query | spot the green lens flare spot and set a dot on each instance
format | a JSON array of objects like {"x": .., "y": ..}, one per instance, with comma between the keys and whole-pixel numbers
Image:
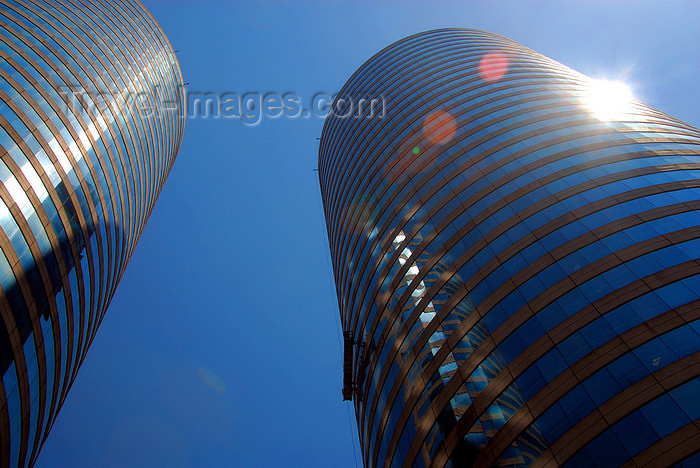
[{"x": 416, "y": 150}]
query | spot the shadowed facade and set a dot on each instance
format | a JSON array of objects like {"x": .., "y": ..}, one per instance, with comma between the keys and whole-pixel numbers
[{"x": 516, "y": 261}]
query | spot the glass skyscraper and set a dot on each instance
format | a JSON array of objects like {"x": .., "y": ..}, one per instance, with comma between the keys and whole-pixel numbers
[
  {"x": 515, "y": 248},
  {"x": 91, "y": 120}
]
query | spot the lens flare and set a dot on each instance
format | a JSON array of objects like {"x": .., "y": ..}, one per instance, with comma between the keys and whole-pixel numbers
[
  {"x": 493, "y": 66},
  {"x": 359, "y": 213},
  {"x": 439, "y": 127},
  {"x": 608, "y": 100},
  {"x": 212, "y": 380},
  {"x": 404, "y": 152},
  {"x": 417, "y": 151}
]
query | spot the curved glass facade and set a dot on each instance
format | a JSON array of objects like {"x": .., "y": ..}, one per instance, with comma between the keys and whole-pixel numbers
[
  {"x": 516, "y": 260},
  {"x": 91, "y": 119}
]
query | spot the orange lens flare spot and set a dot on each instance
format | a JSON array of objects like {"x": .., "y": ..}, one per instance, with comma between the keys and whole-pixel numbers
[
  {"x": 439, "y": 127},
  {"x": 212, "y": 380},
  {"x": 493, "y": 66},
  {"x": 358, "y": 213}
]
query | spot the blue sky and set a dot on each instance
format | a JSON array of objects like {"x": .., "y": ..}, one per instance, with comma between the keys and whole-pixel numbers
[{"x": 221, "y": 346}]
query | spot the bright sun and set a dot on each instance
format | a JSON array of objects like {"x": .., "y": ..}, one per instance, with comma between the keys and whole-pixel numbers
[{"x": 608, "y": 100}]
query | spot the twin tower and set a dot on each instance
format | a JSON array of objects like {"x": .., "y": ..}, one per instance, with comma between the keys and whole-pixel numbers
[
  {"x": 515, "y": 249},
  {"x": 515, "y": 253}
]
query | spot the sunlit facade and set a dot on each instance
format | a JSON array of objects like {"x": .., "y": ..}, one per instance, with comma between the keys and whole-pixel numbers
[
  {"x": 516, "y": 261},
  {"x": 90, "y": 124}
]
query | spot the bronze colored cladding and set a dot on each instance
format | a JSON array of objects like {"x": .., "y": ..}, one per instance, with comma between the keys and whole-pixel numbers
[
  {"x": 530, "y": 120},
  {"x": 100, "y": 169}
]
